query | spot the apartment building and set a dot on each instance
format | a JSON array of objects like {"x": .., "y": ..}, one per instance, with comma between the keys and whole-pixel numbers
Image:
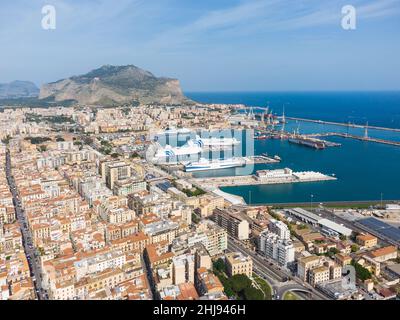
[
  {"x": 384, "y": 254},
  {"x": 129, "y": 186},
  {"x": 183, "y": 268},
  {"x": 113, "y": 171},
  {"x": 235, "y": 223},
  {"x": 366, "y": 240},
  {"x": 275, "y": 243},
  {"x": 315, "y": 270}
]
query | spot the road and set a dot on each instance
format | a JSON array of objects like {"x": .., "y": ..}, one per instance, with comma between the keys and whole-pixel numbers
[
  {"x": 275, "y": 275},
  {"x": 27, "y": 240}
]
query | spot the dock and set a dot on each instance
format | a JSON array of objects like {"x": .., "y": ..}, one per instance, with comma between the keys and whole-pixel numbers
[
  {"x": 344, "y": 124},
  {"x": 251, "y": 180},
  {"x": 355, "y": 137},
  {"x": 261, "y": 159}
]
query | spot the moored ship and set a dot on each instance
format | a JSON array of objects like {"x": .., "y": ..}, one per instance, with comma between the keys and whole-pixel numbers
[
  {"x": 312, "y": 143},
  {"x": 206, "y": 164},
  {"x": 216, "y": 142}
]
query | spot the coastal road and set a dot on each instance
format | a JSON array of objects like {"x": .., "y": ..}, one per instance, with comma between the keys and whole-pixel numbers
[
  {"x": 275, "y": 275},
  {"x": 27, "y": 239}
]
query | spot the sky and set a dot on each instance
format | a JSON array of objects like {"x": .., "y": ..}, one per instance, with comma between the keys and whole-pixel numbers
[{"x": 209, "y": 45}]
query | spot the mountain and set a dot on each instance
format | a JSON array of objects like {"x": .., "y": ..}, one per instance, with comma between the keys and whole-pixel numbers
[
  {"x": 115, "y": 85},
  {"x": 18, "y": 89}
]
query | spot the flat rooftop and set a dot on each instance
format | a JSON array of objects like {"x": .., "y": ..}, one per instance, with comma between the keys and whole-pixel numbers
[{"x": 381, "y": 228}]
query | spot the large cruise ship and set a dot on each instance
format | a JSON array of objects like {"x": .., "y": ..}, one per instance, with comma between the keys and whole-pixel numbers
[
  {"x": 216, "y": 142},
  {"x": 206, "y": 164},
  {"x": 190, "y": 148}
]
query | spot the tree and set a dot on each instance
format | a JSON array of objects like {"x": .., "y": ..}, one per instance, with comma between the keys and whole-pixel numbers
[
  {"x": 135, "y": 155},
  {"x": 6, "y": 140},
  {"x": 361, "y": 272},
  {"x": 240, "y": 282},
  {"x": 251, "y": 293},
  {"x": 354, "y": 248},
  {"x": 88, "y": 140},
  {"x": 37, "y": 140},
  {"x": 227, "y": 286},
  {"x": 219, "y": 265}
]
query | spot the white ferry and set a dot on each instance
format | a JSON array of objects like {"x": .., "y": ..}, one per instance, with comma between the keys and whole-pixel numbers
[
  {"x": 206, "y": 164},
  {"x": 190, "y": 148},
  {"x": 216, "y": 142}
]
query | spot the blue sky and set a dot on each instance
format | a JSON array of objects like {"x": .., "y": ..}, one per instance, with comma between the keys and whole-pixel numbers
[{"x": 209, "y": 45}]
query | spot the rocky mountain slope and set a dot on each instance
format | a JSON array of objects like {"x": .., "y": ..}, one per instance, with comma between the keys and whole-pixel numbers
[{"x": 115, "y": 85}]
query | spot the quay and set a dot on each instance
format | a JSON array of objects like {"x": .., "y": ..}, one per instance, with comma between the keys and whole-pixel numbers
[
  {"x": 254, "y": 180},
  {"x": 261, "y": 159},
  {"x": 344, "y": 124},
  {"x": 360, "y": 138}
]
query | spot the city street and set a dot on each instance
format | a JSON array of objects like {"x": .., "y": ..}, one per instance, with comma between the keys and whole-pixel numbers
[
  {"x": 27, "y": 239},
  {"x": 280, "y": 280}
]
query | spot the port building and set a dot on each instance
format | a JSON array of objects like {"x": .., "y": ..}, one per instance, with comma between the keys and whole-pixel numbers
[
  {"x": 380, "y": 229},
  {"x": 327, "y": 225}
]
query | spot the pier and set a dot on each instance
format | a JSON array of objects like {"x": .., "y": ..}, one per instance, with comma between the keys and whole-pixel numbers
[
  {"x": 344, "y": 124},
  {"x": 360, "y": 138},
  {"x": 252, "y": 180},
  {"x": 261, "y": 159}
]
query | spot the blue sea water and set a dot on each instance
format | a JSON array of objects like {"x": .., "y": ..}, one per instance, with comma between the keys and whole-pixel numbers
[
  {"x": 365, "y": 170},
  {"x": 378, "y": 108}
]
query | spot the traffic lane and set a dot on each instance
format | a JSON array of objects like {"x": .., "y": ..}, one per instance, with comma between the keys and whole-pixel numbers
[{"x": 256, "y": 260}]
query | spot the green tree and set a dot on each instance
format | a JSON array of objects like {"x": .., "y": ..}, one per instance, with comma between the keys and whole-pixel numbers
[
  {"x": 135, "y": 155},
  {"x": 219, "y": 265},
  {"x": 361, "y": 272},
  {"x": 251, "y": 293},
  {"x": 6, "y": 140},
  {"x": 239, "y": 282},
  {"x": 354, "y": 248},
  {"x": 77, "y": 143},
  {"x": 227, "y": 287},
  {"x": 87, "y": 140}
]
